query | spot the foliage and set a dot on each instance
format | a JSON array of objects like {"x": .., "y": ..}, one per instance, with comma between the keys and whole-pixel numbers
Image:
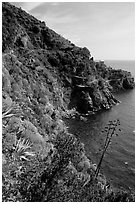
[
  {"x": 35, "y": 29},
  {"x": 42, "y": 161}
]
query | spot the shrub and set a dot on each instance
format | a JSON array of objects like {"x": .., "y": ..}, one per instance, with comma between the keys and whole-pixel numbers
[{"x": 35, "y": 29}]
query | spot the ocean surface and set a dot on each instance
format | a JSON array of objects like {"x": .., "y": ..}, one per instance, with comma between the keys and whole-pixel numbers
[{"x": 119, "y": 162}]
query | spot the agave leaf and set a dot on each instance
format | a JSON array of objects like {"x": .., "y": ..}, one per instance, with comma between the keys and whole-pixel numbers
[
  {"x": 7, "y": 116},
  {"x": 23, "y": 157},
  {"x": 6, "y": 112},
  {"x": 30, "y": 154}
]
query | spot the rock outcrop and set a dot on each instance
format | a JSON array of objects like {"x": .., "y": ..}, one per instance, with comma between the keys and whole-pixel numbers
[
  {"x": 43, "y": 75},
  {"x": 117, "y": 78},
  {"x": 92, "y": 81}
]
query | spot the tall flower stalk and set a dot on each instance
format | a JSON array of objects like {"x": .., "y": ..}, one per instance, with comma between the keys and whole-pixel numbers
[{"x": 110, "y": 129}]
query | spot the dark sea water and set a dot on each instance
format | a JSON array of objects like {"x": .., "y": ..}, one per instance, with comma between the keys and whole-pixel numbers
[{"x": 119, "y": 162}]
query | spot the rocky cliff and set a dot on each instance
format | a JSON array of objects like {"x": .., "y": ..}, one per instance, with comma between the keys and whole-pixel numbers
[{"x": 44, "y": 77}]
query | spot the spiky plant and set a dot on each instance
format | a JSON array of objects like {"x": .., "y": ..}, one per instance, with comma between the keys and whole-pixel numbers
[
  {"x": 7, "y": 113},
  {"x": 22, "y": 149},
  {"x": 12, "y": 110}
]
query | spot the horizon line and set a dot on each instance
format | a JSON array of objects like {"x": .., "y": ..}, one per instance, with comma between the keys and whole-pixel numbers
[{"x": 114, "y": 59}]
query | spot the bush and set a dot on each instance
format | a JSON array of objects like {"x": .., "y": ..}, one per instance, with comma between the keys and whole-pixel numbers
[{"x": 35, "y": 29}]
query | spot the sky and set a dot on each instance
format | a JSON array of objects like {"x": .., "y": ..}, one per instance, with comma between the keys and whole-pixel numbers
[{"x": 107, "y": 29}]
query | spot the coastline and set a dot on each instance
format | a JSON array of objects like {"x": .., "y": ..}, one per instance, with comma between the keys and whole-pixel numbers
[{"x": 43, "y": 74}]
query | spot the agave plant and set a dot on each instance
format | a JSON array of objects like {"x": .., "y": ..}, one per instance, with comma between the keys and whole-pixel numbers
[
  {"x": 10, "y": 111},
  {"x": 7, "y": 113},
  {"x": 22, "y": 149}
]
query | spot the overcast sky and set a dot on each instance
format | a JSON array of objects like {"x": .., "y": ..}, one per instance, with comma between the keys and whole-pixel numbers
[{"x": 106, "y": 29}]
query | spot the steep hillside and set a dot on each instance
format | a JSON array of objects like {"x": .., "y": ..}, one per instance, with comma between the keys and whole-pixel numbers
[{"x": 44, "y": 77}]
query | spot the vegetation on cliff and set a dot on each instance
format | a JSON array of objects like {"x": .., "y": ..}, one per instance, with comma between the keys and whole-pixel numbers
[{"x": 44, "y": 75}]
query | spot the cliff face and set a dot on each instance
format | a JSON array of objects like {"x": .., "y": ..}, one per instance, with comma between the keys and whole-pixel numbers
[
  {"x": 44, "y": 74},
  {"x": 117, "y": 78},
  {"x": 73, "y": 66}
]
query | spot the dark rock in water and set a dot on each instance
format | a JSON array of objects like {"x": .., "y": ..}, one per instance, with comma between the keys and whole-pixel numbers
[
  {"x": 117, "y": 78},
  {"x": 95, "y": 95},
  {"x": 128, "y": 83},
  {"x": 82, "y": 100}
]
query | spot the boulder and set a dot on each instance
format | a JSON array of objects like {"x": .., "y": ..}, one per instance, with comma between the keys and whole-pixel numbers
[{"x": 128, "y": 83}]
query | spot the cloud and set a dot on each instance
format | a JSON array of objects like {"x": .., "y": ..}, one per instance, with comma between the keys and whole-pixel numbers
[
  {"x": 103, "y": 27},
  {"x": 27, "y": 6},
  {"x": 55, "y": 3},
  {"x": 56, "y": 15},
  {"x": 55, "y": 20},
  {"x": 74, "y": 38},
  {"x": 45, "y": 7}
]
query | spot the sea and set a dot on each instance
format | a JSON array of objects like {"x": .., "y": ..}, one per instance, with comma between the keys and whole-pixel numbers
[{"x": 119, "y": 162}]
